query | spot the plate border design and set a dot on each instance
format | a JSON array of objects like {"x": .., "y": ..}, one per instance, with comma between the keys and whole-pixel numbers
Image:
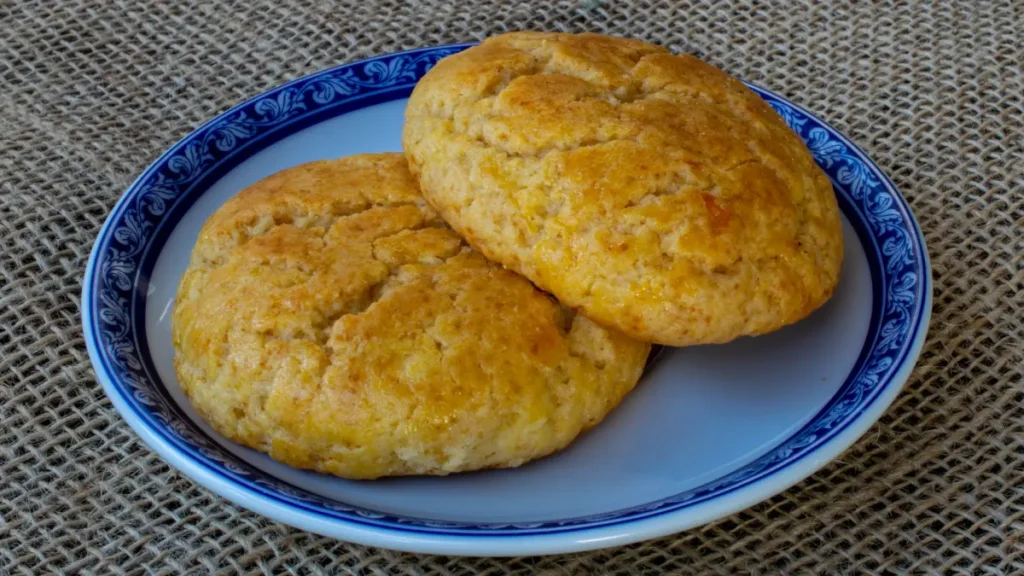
[{"x": 114, "y": 289}]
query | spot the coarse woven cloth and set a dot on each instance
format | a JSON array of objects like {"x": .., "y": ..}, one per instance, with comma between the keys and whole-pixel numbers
[{"x": 92, "y": 91}]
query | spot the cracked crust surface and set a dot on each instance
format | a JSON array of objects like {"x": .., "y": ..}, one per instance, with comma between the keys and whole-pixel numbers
[
  {"x": 329, "y": 318},
  {"x": 650, "y": 191}
]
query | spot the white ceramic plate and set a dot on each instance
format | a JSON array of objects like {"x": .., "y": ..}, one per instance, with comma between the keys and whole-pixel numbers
[{"x": 708, "y": 431}]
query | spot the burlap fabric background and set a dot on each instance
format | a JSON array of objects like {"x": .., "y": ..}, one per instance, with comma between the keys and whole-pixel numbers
[{"x": 92, "y": 91}]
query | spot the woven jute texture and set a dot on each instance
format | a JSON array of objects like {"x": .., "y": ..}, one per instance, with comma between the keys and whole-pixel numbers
[{"x": 91, "y": 91}]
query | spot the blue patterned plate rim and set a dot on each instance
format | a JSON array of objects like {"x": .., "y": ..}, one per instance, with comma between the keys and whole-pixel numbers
[{"x": 114, "y": 292}]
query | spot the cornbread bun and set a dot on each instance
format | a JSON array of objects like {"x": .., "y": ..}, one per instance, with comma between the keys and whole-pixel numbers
[
  {"x": 330, "y": 319},
  {"x": 649, "y": 191}
]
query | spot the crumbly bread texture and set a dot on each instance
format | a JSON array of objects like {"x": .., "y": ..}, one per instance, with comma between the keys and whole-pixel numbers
[
  {"x": 649, "y": 191},
  {"x": 329, "y": 318}
]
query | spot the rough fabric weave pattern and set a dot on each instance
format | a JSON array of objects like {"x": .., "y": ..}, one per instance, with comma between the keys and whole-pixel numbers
[{"x": 91, "y": 92}]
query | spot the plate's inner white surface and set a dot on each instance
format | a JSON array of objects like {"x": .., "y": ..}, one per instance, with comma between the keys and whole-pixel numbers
[{"x": 697, "y": 415}]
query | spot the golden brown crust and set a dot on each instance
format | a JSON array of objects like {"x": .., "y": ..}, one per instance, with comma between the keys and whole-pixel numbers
[
  {"x": 650, "y": 191},
  {"x": 330, "y": 319}
]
